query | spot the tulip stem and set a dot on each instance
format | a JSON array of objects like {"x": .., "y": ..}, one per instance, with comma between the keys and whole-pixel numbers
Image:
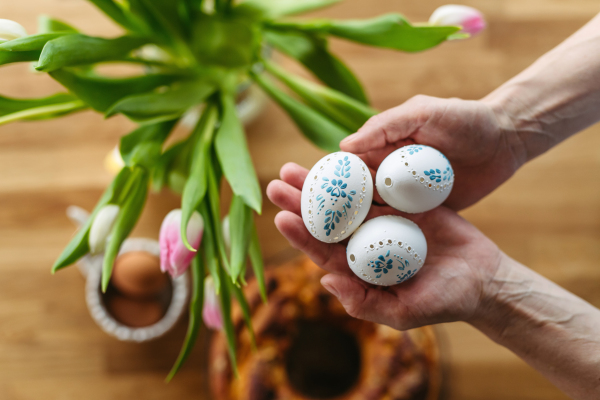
[{"x": 38, "y": 112}]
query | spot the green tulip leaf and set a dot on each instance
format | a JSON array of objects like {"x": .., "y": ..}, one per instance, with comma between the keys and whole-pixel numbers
[
  {"x": 391, "y": 31},
  {"x": 195, "y": 188},
  {"x": 8, "y": 57},
  {"x": 12, "y": 109},
  {"x": 245, "y": 307},
  {"x": 311, "y": 51},
  {"x": 48, "y": 24},
  {"x": 30, "y": 43},
  {"x": 258, "y": 265},
  {"x": 240, "y": 230},
  {"x": 228, "y": 327},
  {"x": 79, "y": 245},
  {"x": 143, "y": 146},
  {"x": 208, "y": 247},
  {"x": 118, "y": 14},
  {"x": 165, "y": 163},
  {"x": 77, "y": 49},
  {"x": 102, "y": 92},
  {"x": 163, "y": 105},
  {"x": 281, "y": 8},
  {"x": 196, "y": 304},
  {"x": 214, "y": 201},
  {"x": 234, "y": 156},
  {"x": 131, "y": 207},
  {"x": 320, "y": 130},
  {"x": 161, "y": 15},
  {"x": 344, "y": 110}
]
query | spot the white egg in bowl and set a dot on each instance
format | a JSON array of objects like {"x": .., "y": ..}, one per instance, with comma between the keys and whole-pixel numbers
[
  {"x": 415, "y": 178},
  {"x": 387, "y": 250},
  {"x": 336, "y": 196}
]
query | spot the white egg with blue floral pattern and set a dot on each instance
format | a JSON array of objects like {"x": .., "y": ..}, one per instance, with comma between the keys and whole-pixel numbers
[
  {"x": 336, "y": 196},
  {"x": 415, "y": 179},
  {"x": 387, "y": 250}
]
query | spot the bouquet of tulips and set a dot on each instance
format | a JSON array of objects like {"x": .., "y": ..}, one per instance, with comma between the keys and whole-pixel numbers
[{"x": 205, "y": 49}]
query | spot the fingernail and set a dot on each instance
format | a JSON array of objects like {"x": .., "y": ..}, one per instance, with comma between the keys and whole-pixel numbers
[
  {"x": 331, "y": 290},
  {"x": 348, "y": 139}
]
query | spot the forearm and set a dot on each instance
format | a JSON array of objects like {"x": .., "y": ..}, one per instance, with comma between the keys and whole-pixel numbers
[
  {"x": 555, "y": 97},
  {"x": 553, "y": 330}
]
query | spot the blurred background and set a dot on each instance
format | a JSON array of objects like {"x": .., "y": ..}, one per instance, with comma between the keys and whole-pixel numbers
[{"x": 547, "y": 216}]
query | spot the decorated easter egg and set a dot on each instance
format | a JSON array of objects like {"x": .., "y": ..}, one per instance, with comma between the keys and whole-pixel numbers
[
  {"x": 415, "y": 179},
  {"x": 336, "y": 196},
  {"x": 387, "y": 250}
]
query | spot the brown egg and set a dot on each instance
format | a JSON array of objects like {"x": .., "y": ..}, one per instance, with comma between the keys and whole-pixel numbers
[
  {"x": 134, "y": 313},
  {"x": 137, "y": 274}
]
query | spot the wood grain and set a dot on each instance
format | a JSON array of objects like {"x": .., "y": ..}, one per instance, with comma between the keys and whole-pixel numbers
[{"x": 547, "y": 216}]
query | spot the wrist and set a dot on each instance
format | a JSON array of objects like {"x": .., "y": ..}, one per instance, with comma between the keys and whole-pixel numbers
[
  {"x": 512, "y": 123},
  {"x": 496, "y": 311}
]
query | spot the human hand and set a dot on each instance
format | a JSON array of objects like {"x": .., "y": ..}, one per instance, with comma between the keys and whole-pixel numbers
[
  {"x": 479, "y": 141},
  {"x": 451, "y": 285}
]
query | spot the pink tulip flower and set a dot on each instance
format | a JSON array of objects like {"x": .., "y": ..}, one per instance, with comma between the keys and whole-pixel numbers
[
  {"x": 211, "y": 310},
  {"x": 175, "y": 258},
  {"x": 470, "y": 19}
]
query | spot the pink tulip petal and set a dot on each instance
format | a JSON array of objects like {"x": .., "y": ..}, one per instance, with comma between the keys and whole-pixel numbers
[{"x": 175, "y": 257}]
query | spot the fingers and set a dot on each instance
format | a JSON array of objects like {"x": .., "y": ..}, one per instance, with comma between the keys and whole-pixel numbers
[
  {"x": 364, "y": 301},
  {"x": 293, "y": 174},
  {"x": 392, "y": 125},
  {"x": 285, "y": 196},
  {"x": 331, "y": 257}
]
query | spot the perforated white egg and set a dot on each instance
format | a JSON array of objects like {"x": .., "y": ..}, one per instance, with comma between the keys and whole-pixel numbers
[
  {"x": 387, "y": 250},
  {"x": 415, "y": 179},
  {"x": 336, "y": 196}
]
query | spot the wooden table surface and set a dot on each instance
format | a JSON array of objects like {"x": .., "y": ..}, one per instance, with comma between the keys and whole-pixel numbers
[{"x": 547, "y": 216}]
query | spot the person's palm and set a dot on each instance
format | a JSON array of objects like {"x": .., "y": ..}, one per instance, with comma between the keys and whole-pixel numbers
[
  {"x": 449, "y": 287},
  {"x": 483, "y": 149}
]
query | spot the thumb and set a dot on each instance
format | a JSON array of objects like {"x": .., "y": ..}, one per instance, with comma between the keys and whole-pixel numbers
[{"x": 392, "y": 125}]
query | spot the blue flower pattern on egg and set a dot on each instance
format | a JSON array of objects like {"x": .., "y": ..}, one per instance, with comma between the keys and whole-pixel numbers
[
  {"x": 335, "y": 189},
  {"x": 403, "y": 277},
  {"x": 383, "y": 265},
  {"x": 437, "y": 175},
  {"x": 413, "y": 149}
]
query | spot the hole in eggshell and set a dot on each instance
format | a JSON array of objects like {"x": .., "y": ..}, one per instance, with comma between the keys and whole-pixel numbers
[
  {"x": 389, "y": 241},
  {"x": 355, "y": 212},
  {"x": 414, "y": 172},
  {"x": 430, "y": 185},
  {"x": 371, "y": 246},
  {"x": 408, "y": 248},
  {"x": 388, "y": 181},
  {"x": 400, "y": 244},
  {"x": 316, "y": 177},
  {"x": 422, "y": 180},
  {"x": 381, "y": 243},
  {"x": 352, "y": 258},
  {"x": 406, "y": 164},
  {"x": 350, "y": 223}
]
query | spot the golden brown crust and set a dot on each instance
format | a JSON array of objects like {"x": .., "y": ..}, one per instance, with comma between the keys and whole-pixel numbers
[{"x": 394, "y": 365}]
